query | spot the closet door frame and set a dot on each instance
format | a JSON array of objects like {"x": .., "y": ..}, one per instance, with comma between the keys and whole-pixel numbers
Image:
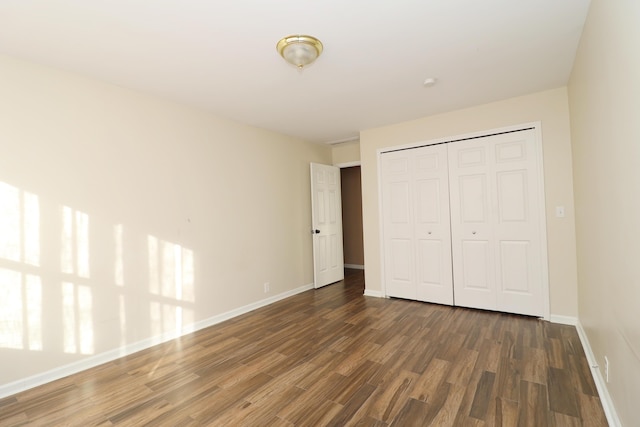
[{"x": 542, "y": 228}]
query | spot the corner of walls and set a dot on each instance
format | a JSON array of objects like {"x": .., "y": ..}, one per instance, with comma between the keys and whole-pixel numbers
[
  {"x": 601, "y": 385},
  {"x": 373, "y": 293},
  {"x": 563, "y": 320},
  {"x": 604, "y": 104}
]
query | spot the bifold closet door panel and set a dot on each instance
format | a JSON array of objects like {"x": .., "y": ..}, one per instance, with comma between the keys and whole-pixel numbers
[
  {"x": 416, "y": 227},
  {"x": 519, "y": 212},
  {"x": 399, "y": 254},
  {"x": 472, "y": 233},
  {"x": 495, "y": 223},
  {"x": 433, "y": 225}
]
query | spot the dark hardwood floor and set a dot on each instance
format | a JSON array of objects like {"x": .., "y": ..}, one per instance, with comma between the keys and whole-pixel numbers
[{"x": 334, "y": 357}]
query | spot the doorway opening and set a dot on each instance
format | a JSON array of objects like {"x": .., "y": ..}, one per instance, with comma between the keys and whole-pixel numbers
[{"x": 351, "y": 186}]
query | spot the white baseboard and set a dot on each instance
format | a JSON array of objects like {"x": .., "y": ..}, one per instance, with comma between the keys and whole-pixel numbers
[
  {"x": 601, "y": 385},
  {"x": 93, "y": 361},
  {"x": 108, "y": 356},
  {"x": 354, "y": 266},
  {"x": 563, "y": 320},
  {"x": 247, "y": 308},
  {"x": 371, "y": 293}
]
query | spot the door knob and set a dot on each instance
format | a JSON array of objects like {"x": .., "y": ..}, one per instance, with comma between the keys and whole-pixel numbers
[
  {"x": 473, "y": 232},
  {"x": 315, "y": 231}
]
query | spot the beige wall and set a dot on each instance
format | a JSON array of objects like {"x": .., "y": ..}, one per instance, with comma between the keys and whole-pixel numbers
[
  {"x": 551, "y": 109},
  {"x": 604, "y": 95},
  {"x": 123, "y": 217},
  {"x": 346, "y": 152},
  {"x": 352, "y": 215}
]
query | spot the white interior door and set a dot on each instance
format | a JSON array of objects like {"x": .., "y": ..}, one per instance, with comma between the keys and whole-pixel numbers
[
  {"x": 417, "y": 240},
  {"x": 496, "y": 223},
  {"x": 326, "y": 220}
]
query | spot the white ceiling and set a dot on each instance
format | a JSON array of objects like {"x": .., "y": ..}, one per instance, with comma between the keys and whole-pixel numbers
[{"x": 220, "y": 54}]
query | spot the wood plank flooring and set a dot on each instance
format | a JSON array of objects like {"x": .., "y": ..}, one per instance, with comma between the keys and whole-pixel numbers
[{"x": 335, "y": 357}]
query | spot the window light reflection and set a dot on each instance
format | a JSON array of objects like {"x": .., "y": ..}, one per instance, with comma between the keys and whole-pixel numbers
[
  {"x": 66, "y": 246},
  {"x": 19, "y": 225},
  {"x": 171, "y": 280},
  {"x": 33, "y": 304},
  {"x": 85, "y": 319},
  {"x": 74, "y": 250},
  {"x": 20, "y": 287},
  {"x": 82, "y": 244},
  {"x": 77, "y": 307},
  {"x": 69, "y": 317},
  {"x": 31, "y": 229},
  {"x": 11, "y": 321}
]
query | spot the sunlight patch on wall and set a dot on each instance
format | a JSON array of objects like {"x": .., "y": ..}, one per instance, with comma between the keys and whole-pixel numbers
[
  {"x": 187, "y": 290},
  {"x": 171, "y": 284},
  {"x": 19, "y": 225},
  {"x": 77, "y": 301},
  {"x": 21, "y": 307},
  {"x": 20, "y": 288},
  {"x": 85, "y": 315},
  {"x": 12, "y": 317},
  {"x": 170, "y": 270},
  {"x": 74, "y": 256},
  {"x": 164, "y": 318},
  {"x": 69, "y": 317},
  {"x": 33, "y": 299},
  {"x": 77, "y": 312},
  {"x": 31, "y": 229}
]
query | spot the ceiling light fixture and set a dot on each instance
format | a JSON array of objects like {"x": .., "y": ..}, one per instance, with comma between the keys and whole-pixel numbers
[{"x": 299, "y": 50}]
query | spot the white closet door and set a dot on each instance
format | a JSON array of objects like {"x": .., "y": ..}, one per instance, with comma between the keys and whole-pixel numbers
[
  {"x": 399, "y": 257},
  {"x": 472, "y": 225},
  {"x": 417, "y": 240},
  {"x": 518, "y": 200},
  {"x": 432, "y": 225},
  {"x": 495, "y": 223}
]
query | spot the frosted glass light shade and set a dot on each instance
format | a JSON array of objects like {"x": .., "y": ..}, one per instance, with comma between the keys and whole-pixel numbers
[{"x": 299, "y": 50}]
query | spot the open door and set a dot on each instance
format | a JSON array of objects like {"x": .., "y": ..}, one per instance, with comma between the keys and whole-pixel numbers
[{"x": 326, "y": 225}]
